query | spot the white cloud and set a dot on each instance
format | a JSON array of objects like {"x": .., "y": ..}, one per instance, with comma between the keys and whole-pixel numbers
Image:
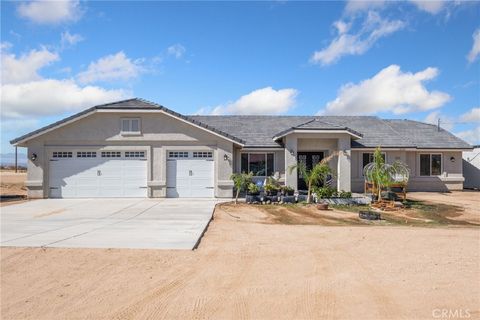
[
  {"x": 472, "y": 136},
  {"x": 373, "y": 28},
  {"x": 50, "y": 96},
  {"x": 25, "y": 68},
  {"x": 471, "y": 116},
  {"x": 112, "y": 68},
  {"x": 475, "y": 51},
  {"x": 354, "y": 6},
  {"x": 176, "y": 50},
  {"x": 430, "y": 6},
  {"x": 50, "y": 11},
  {"x": 261, "y": 101},
  {"x": 25, "y": 94},
  {"x": 68, "y": 39},
  {"x": 390, "y": 90}
]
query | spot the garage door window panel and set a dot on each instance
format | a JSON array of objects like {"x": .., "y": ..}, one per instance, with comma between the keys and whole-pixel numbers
[
  {"x": 86, "y": 154},
  {"x": 62, "y": 154},
  {"x": 134, "y": 154}
]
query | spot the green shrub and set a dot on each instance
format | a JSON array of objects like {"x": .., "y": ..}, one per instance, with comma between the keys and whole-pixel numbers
[
  {"x": 325, "y": 192},
  {"x": 345, "y": 194},
  {"x": 270, "y": 188},
  {"x": 253, "y": 188},
  {"x": 287, "y": 190}
]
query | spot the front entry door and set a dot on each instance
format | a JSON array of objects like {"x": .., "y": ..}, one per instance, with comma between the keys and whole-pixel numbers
[{"x": 310, "y": 159}]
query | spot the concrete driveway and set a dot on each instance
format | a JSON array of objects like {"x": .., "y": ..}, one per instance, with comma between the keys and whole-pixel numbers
[{"x": 106, "y": 223}]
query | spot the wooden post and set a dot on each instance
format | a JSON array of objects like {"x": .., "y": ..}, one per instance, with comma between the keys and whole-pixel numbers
[{"x": 16, "y": 160}]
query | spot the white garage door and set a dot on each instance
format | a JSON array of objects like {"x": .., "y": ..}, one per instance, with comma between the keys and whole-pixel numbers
[
  {"x": 190, "y": 174},
  {"x": 90, "y": 174}
]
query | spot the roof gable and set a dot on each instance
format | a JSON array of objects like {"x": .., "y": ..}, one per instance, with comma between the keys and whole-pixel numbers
[{"x": 130, "y": 104}]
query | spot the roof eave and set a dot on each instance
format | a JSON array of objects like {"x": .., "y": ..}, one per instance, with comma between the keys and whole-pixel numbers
[{"x": 349, "y": 131}]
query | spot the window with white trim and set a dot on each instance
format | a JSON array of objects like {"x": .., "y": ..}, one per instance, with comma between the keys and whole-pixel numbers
[
  {"x": 111, "y": 154},
  {"x": 134, "y": 154},
  {"x": 130, "y": 125},
  {"x": 261, "y": 164},
  {"x": 62, "y": 154},
  {"x": 203, "y": 154},
  {"x": 86, "y": 154},
  {"x": 430, "y": 164},
  {"x": 178, "y": 154}
]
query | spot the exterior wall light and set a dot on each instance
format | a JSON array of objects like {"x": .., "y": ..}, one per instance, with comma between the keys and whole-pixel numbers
[
  {"x": 452, "y": 159},
  {"x": 225, "y": 157},
  {"x": 33, "y": 157}
]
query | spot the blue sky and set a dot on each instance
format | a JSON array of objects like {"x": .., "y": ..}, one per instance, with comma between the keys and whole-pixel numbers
[{"x": 415, "y": 60}]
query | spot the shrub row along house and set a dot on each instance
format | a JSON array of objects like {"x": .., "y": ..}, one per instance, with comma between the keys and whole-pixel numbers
[{"x": 135, "y": 148}]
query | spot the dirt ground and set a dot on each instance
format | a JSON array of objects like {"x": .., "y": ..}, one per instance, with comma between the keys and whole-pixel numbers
[
  {"x": 12, "y": 184},
  {"x": 247, "y": 267}
]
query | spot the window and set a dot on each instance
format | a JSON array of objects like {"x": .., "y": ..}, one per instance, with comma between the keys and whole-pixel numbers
[
  {"x": 111, "y": 154},
  {"x": 131, "y": 125},
  {"x": 134, "y": 154},
  {"x": 86, "y": 154},
  {"x": 430, "y": 164},
  {"x": 261, "y": 164},
  {"x": 368, "y": 158},
  {"x": 178, "y": 154},
  {"x": 62, "y": 154},
  {"x": 202, "y": 154}
]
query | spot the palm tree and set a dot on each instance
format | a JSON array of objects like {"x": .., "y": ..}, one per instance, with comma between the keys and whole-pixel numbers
[
  {"x": 318, "y": 174},
  {"x": 241, "y": 182}
]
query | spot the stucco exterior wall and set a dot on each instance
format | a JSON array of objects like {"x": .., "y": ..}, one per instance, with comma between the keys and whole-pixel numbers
[
  {"x": 326, "y": 142},
  {"x": 471, "y": 168},
  {"x": 159, "y": 133},
  {"x": 450, "y": 179}
]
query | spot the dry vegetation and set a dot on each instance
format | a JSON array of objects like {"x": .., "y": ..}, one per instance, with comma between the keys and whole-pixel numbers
[
  {"x": 12, "y": 186},
  {"x": 415, "y": 213}
]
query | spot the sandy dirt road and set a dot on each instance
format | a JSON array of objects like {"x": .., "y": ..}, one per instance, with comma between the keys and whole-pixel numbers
[{"x": 246, "y": 268}]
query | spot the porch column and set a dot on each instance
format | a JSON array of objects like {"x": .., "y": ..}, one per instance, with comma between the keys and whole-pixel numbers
[
  {"x": 344, "y": 168},
  {"x": 290, "y": 159}
]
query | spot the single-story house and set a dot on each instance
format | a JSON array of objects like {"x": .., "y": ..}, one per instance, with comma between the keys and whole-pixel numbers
[{"x": 136, "y": 148}]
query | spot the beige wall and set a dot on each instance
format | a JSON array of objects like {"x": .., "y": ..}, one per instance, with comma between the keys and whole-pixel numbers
[
  {"x": 450, "y": 179},
  {"x": 160, "y": 133}
]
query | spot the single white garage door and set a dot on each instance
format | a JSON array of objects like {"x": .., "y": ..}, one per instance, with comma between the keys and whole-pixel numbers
[
  {"x": 90, "y": 174},
  {"x": 190, "y": 174}
]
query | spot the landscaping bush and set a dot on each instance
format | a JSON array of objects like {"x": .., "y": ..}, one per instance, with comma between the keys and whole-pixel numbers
[
  {"x": 325, "y": 192},
  {"x": 287, "y": 191},
  {"x": 253, "y": 189},
  {"x": 345, "y": 194},
  {"x": 271, "y": 189}
]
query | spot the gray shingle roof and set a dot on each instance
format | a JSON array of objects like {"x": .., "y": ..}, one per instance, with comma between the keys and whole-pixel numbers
[
  {"x": 258, "y": 131},
  {"x": 317, "y": 124},
  {"x": 130, "y": 104}
]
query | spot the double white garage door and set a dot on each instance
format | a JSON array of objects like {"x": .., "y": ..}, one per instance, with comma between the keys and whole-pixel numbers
[{"x": 90, "y": 174}]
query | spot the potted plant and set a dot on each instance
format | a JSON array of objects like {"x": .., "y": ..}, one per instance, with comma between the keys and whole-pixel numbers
[
  {"x": 271, "y": 190},
  {"x": 253, "y": 189},
  {"x": 287, "y": 191}
]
